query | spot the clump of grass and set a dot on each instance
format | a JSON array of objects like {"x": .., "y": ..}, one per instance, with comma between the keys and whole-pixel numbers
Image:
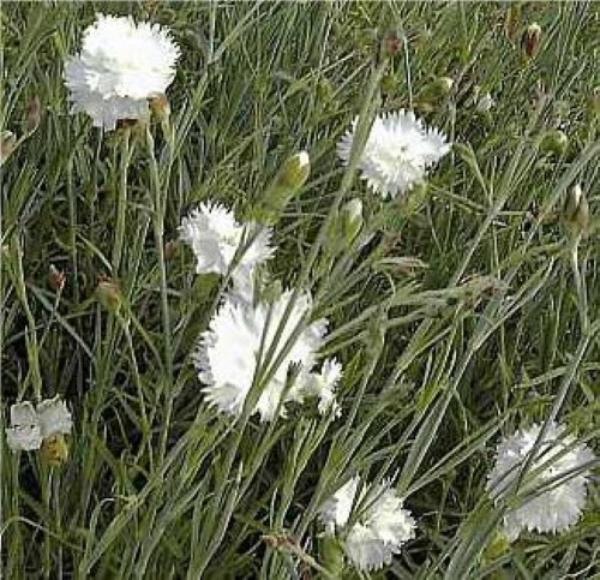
[{"x": 467, "y": 311}]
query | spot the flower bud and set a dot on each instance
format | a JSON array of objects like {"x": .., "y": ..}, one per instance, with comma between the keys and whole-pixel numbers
[
  {"x": 512, "y": 21},
  {"x": 289, "y": 180},
  {"x": 554, "y": 141},
  {"x": 332, "y": 555},
  {"x": 351, "y": 219},
  {"x": 8, "y": 143},
  {"x": 56, "y": 279},
  {"x": 159, "y": 105},
  {"x": 171, "y": 249},
  {"x": 594, "y": 102},
  {"x": 34, "y": 114},
  {"x": 54, "y": 450},
  {"x": 435, "y": 91},
  {"x": 485, "y": 103},
  {"x": 531, "y": 40},
  {"x": 576, "y": 212},
  {"x": 392, "y": 43},
  {"x": 108, "y": 293}
]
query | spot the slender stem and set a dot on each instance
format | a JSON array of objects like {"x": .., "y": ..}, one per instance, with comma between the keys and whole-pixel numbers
[
  {"x": 121, "y": 204},
  {"x": 158, "y": 219}
]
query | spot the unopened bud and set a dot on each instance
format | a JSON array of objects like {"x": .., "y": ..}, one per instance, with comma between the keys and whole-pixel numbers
[
  {"x": 290, "y": 178},
  {"x": 554, "y": 141},
  {"x": 332, "y": 555},
  {"x": 54, "y": 450},
  {"x": 576, "y": 212},
  {"x": 171, "y": 249},
  {"x": 594, "y": 102},
  {"x": 531, "y": 40},
  {"x": 512, "y": 21},
  {"x": 437, "y": 90},
  {"x": 108, "y": 293},
  {"x": 159, "y": 105},
  {"x": 351, "y": 219},
  {"x": 392, "y": 43},
  {"x": 34, "y": 114},
  {"x": 8, "y": 143},
  {"x": 56, "y": 279},
  {"x": 485, "y": 103}
]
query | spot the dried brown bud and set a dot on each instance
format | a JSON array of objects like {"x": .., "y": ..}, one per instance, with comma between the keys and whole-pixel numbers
[
  {"x": 34, "y": 114},
  {"x": 531, "y": 40},
  {"x": 56, "y": 279},
  {"x": 392, "y": 43},
  {"x": 171, "y": 249}
]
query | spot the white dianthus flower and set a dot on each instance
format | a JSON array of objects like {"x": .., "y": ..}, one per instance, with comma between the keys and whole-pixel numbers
[
  {"x": 322, "y": 384},
  {"x": 335, "y": 512},
  {"x": 227, "y": 357},
  {"x": 29, "y": 426},
  {"x": 381, "y": 530},
  {"x": 558, "y": 507},
  {"x": 398, "y": 152},
  {"x": 214, "y": 236},
  {"x": 121, "y": 66}
]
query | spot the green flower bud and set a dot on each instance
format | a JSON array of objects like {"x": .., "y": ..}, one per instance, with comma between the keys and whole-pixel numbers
[
  {"x": 351, "y": 219},
  {"x": 531, "y": 40},
  {"x": 332, "y": 555},
  {"x": 576, "y": 212},
  {"x": 435, "y": 91},
  {"x": 290, "y": 178},
  {"x": 554, "y": 141},
  {"x": 108, "y": 293}
]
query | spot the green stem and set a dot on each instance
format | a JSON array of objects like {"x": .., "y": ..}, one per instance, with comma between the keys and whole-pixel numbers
[{"x": 121, "y": 204}]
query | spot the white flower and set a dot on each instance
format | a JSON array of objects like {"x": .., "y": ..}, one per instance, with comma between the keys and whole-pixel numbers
[
  {"x": 227, "y": 357},
  {"x": 398, "y": 152},
  {"x": 120, "y": 67},
  {"x": 323, "y": 384},
  {"x": 558, "y": 507},
  {"x": 381, "y": 530},
  {"x": 30, "y": 426},
  {"x": 335, "y": 512},
  {"x": 214, "y": 236}
]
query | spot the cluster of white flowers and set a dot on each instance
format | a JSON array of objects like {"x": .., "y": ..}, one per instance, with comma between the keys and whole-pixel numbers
[
  {"x": 398, "y": 152},
  {"x": 558, "y": 464},
  {"x": 380, "y": 530},
  {"x": 241, "y": 331},
  {"x": 120, "y": 67},
  {"x": 30, "y": 425}
]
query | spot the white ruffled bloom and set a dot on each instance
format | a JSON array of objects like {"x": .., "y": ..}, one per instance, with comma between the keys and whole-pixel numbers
[
  {"x": 381, "y": 530},
  {"x": 227, "y": 357},
  {"x": 560, "y": 506},
  {"x": 214, "y": 236},
  {"x": 322, "y": 384},
  {"x": 121, "y": 66},
  {"x": 398, "y": 152},
  {"x": 335, "y": 512},
  {"x": 29, "y": 426}
]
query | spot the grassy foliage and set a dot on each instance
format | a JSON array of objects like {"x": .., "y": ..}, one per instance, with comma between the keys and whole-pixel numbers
[{"x": 459, "y": 319}]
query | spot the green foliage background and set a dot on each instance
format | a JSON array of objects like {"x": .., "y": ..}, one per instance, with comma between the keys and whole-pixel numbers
[{"x": 458, "y": 322}]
